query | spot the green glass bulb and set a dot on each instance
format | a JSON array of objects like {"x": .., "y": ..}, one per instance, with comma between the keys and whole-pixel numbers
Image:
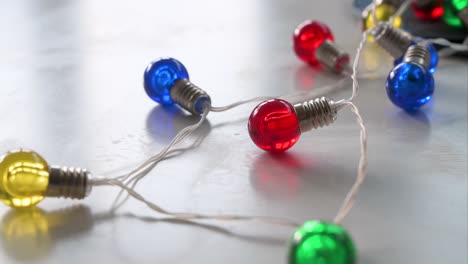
[
  {"x": 452, "y": 8},
  {"x": 459, "y": 5},
  {"x": 317, "y": 242}
]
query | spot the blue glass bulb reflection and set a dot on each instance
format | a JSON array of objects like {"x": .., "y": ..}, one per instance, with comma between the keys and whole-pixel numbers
[
  {"x": 432, "y": 63},
  {"x": 409, "y": 86},
  {"x": 160, "y": 76}
]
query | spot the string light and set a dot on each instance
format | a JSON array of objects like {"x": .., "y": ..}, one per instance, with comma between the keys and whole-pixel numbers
[
  {"x": 410, "y": 85},
  {"x": 429, "y": 10},
  {"x": 314, "y": 44},
  {"x": 27, "y": 178}
]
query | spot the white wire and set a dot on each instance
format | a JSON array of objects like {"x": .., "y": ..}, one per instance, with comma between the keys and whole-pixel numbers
[
  {"x": 403, "y": 7},
  {"x": 356, "y": 61},
  {"x": 188, "y": 216},
  {"x": 228, "y": 107},
  {"x": 454, "y": 46},
  {"x": 362, "y": 168}
]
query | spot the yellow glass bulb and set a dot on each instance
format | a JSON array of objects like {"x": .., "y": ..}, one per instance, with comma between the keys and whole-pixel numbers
[
  {"x": 383, "y": 12},
  {"x": 24, "y": 177}
]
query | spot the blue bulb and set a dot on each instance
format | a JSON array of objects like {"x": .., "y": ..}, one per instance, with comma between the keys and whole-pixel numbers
[
  {"x": 433, "y": 61},
  {"x": 409, "y": 86},
  {"x": 160, "y": 76}
]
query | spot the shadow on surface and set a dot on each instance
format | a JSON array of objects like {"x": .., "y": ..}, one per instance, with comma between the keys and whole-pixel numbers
[
  {"x": 30, "y": 234},
  {"x": 414, "y": 127}
]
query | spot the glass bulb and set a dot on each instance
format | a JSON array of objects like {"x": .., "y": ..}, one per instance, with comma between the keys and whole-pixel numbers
[
  {"x": 452, "y": 7},
  {"x": 383, "y": 12},
  {"x": 409, "y": 86},
  {"x": 431, "y": 13},
  {"x": 24, "y": 177},
  {"x": 321, "y": 242},
  {"x": 308, "y": 36},
  {"x": 160, "y": 76},
  {"x": 273, "y": 125},
  {"x": 434, "y": 60}
]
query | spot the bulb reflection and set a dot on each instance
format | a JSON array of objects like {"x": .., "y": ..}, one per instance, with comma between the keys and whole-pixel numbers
[
  {"x": 31, "y": 233},
  {"x": 278, "y": 176},
  {"x": 305, "y": 76},
  {"x": 164, "y": 122}
]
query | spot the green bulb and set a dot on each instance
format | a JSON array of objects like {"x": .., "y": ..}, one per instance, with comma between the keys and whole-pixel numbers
[
  {"x": 451, "y": 10},
  {"x": 317, "y": 242},
  {"x": 459, "y": 5}
]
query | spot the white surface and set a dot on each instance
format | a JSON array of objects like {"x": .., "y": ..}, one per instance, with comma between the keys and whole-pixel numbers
[{"x": 71, "y": 78}]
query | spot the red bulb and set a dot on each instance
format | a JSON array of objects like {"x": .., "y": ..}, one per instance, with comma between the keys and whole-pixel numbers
[
  {"x": 431, "y": 13},
  {"x": 307, "y": 37},
  {"x": 273, "y": 125}
]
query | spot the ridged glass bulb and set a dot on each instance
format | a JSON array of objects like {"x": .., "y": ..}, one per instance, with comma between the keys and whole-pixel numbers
[
  {"x": 317, "y": 242},
  {"x": 410, "y": 86},
  {"x": 273, "y": 125},
  {"x": 24, "y": 177},
  {"x": 160, "y": 76},
  {"x": 307, "y": 37}
]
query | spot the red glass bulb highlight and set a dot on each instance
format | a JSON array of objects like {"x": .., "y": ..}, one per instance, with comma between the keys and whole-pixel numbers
[
  {"x": 428, "y": 13},
  {"x": 307, "y": 37},
  {"x": 273, "y": 125}
]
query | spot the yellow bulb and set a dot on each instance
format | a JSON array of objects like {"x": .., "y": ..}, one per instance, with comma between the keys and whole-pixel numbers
[
  {"x": 383, "y": 12},
  {"x": 24, "y": 177}
]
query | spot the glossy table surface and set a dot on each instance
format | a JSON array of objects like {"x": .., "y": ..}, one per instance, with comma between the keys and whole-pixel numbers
[{"x": 71, "y": 78}]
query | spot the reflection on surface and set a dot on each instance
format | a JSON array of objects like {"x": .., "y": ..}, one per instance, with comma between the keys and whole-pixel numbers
[
  {"x": 375, "y": 60},
  {"x": 413, "y": 127},
  {"x": 277, "y": 175},
  {"x": 305, "y": 76},
  {"x": 31, "y": 233},
  {"x": 164, "y": 122}
]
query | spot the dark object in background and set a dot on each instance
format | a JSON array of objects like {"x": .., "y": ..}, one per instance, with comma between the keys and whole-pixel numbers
[{"x": 425, "y": 29}]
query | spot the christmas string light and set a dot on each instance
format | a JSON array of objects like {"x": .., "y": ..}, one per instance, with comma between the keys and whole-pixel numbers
[
  {"x": 166, "y": 81},
  {"x": 26, "y": 178}
]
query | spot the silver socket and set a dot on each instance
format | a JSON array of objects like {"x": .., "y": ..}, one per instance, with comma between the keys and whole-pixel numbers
[
  {"x": 315, "y": 113},
  {"x": 190, "y": 97},
  {"x": 332, "y": 56},
  {"x": 418, "y": 54},
  {"x": 68, "y": 183},
  {"x": 393, "y": 40}
]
